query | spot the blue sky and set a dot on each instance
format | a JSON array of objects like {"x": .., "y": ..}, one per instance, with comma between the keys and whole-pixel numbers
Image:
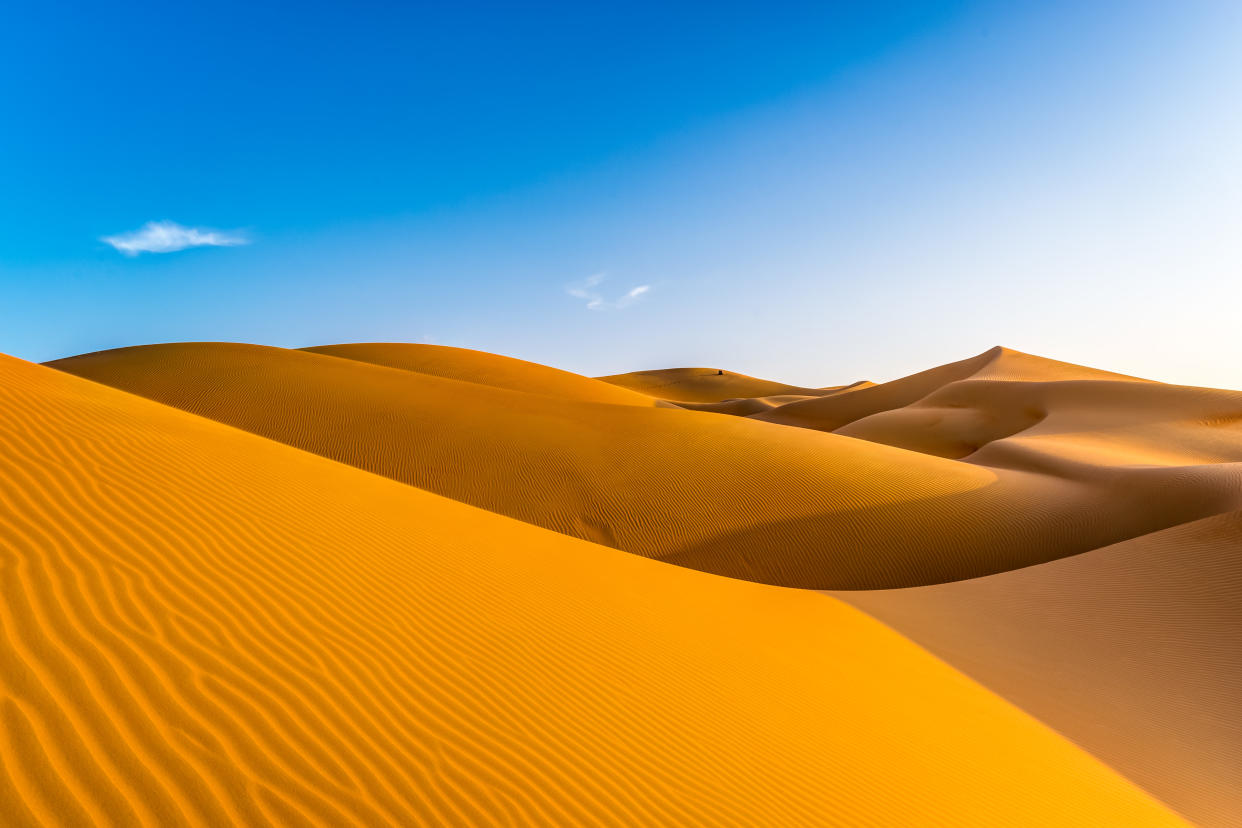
[{"x": 815, "y": 192}]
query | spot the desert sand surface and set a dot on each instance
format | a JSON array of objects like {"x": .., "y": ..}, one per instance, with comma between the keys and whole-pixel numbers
[
  {"x": 393, "y": 584},
  {"x": 202, "y": 626}
]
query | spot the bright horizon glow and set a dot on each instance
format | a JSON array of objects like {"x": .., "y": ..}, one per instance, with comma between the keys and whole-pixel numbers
[{"x": 813, "y": 195}]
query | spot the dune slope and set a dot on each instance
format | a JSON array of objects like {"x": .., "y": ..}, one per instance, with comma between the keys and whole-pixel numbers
[
  {"x": 705, "y": 385},
  {"x": 204, "y": 627},
  {"x": 746, "y": 406},
  {"x": 485, "y": 369},
  {"x": 1132, "y": 651},
  {"x": 996, "y": 364},
  {"x": 734, "y": 496}
]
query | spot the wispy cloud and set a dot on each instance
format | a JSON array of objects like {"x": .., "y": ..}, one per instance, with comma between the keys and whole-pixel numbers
[
  {"x": 168, "y": 237},
  {"x": 588, "y": 289}
]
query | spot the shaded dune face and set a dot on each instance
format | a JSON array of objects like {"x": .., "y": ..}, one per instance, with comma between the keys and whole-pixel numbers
[
  {"x": 1132, "y": 651},
  {"x": 205, "y": 627},
  {"x": 733, "y": 496}
]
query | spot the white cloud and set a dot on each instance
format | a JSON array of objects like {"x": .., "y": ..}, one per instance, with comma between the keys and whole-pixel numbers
[
  {"x": 586, "y": 289},
  {"x": 168, "y": 236}
]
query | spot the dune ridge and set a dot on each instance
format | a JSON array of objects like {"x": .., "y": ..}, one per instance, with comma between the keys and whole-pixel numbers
[
  {"x": 747, "y": 406},
  {"x": 706, "y": 385},
  {"x": 205, "y": 627},
  {"x": 998, "y": 364},
  {"x": 485, "y": 369}
]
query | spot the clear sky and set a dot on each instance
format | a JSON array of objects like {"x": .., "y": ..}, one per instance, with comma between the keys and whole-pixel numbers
[{"x": 816, "y": 193}]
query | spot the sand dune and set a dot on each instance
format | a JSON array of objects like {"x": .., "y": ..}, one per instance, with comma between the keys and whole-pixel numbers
[
  {"x": 733, "y": 496},
  {"x": 1132, "y": 651},
  {"x": 746, "y": 406},
  {"x": 485, "y": 369},
  {"x": 705, "y": 385},
  {"x": 996, "y": 364},
  {"x": 1006, "y": 410},
  {"x": 205, "y": 627}
]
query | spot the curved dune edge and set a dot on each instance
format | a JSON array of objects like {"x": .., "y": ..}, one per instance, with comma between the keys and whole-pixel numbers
[
  {"x": 1006, "y": 409},
  {"x": 1132, "y": 651},
  {"x": 204, "y": 627},
  {"x": 733, "y": 496},
  {"x": 748, "y": 406},
  {"x": 997, "y": 364},
  {"x": 1024, "y": 412},
  {"x": 706, "y": 385},
  {"x": 485, "y": 369}
]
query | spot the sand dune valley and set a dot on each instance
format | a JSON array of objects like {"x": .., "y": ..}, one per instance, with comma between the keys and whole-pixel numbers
[{"x": 397, "y": 584}]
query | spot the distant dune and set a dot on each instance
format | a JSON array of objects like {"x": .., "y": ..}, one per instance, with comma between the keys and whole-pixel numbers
[
  {"x": 705, "y": 385},
  {"x": 920, "y": 390},
  {"x": 388, "y": 584}
]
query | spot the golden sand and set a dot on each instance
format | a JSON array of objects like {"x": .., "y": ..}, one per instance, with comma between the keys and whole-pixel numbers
[{"x": 390, "y": 584}]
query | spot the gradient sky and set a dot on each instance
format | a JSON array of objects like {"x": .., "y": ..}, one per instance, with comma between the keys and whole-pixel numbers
[{"x": 816, "y": 193}]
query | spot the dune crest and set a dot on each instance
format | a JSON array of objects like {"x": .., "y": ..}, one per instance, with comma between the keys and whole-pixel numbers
[
  {"x": 485, "y": 369},
  {"x": 997, "y": 364},
  {"x": 706, "y": 385}
]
